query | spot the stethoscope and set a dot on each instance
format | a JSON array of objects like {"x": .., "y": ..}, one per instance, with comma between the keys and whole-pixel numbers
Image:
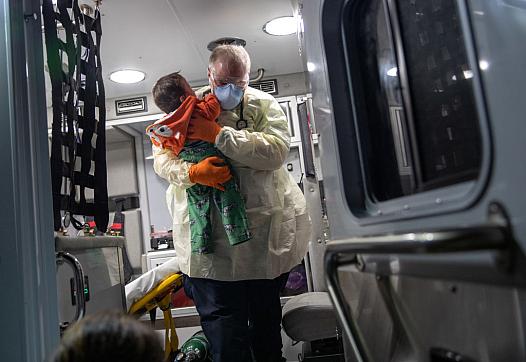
[{"x": 241, "y": 123}]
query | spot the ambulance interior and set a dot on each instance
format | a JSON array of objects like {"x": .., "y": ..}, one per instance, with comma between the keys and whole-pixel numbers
[
  {"x": 407, "y": 124},
  {"x": 158, "y": 38}
]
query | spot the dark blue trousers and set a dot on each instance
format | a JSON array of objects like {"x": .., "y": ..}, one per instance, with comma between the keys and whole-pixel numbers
[{"x": 241, "y": 319}]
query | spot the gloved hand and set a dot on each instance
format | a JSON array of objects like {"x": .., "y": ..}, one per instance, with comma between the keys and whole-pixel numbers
[
  {"x": 204, "y": 130},
  {"x": 211, "y": 171}
]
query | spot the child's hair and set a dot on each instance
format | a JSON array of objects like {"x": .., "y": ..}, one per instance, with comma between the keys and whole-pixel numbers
[
  {"x": 109, "y": 336},
  {"x": 168, "y": 90}
]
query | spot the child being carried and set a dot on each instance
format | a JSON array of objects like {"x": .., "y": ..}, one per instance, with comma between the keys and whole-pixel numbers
[{"x": 173, "y": 95}]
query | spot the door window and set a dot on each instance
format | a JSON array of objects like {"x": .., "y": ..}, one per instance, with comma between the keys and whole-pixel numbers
[{"x": 413, "y": 96}]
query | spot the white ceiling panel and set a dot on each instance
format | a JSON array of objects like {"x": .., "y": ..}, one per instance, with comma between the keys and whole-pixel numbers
[
  {"x": 143, "y": 35},
  {"x": 243, "y": 19},
  {"x": 163, "y": 36}
]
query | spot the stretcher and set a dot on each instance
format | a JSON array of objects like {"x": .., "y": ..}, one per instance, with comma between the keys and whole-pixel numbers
[{"x": 153, "y": 290}]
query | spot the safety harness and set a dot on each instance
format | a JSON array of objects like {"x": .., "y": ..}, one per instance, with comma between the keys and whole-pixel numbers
[{"x": 78, "y": 144}]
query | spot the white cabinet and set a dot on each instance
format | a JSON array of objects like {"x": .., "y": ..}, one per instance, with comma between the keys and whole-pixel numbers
[{"x": 156, "y": 258}]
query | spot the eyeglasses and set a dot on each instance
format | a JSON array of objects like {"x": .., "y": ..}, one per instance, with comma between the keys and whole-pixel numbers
[{"x": 238, "y": 82}]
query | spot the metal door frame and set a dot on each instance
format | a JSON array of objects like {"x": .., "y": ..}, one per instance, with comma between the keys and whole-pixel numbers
[{"x": 27, "y": 255}]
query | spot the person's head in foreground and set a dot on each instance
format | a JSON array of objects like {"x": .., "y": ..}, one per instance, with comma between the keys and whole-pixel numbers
[{"x": 109, "y": 337}]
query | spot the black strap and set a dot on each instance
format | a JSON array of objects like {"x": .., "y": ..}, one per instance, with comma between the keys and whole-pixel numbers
[
  {"x": 78, "y": 161},
  {"x": 241, "y": 122}
]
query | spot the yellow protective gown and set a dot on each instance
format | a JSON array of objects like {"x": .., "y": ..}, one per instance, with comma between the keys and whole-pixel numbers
[{"x": 275, "y": 205}]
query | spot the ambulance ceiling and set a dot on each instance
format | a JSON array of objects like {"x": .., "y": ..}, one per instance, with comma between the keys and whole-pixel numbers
[{"x": 162, "y": 36}]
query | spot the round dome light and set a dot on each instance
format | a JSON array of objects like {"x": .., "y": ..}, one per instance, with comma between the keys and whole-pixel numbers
[
  {"x": 284, "y": 25},
  {"x": 483, "y": 64},
  {"x": 127, "y": 76}
]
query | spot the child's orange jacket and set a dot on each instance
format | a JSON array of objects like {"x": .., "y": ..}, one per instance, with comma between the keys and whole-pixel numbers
[{"x": 170, "y": 131}]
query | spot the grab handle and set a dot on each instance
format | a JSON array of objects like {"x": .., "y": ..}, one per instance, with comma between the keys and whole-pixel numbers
[
  {"x": 79, "y": 279},
  {"x": 339, "y": 253}
]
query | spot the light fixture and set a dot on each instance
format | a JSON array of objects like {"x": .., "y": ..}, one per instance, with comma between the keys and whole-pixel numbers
[
  {"x": 392, "y": 72},
  {"x": 483, "y": 64},
  {"x": 311, "y": 66},
  {"x": 229, "y": 40},
  {"x": 468, "y": 74},
  {"x": 284, "y": 25},
  {"x": 127, "y": 76}
]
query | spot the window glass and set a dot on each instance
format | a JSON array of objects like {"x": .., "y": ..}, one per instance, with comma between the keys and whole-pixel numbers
[
  {"x": 413, "y": 96},
  {"x": 441, "y": 84},
  {"x": 379, "y": 106}
]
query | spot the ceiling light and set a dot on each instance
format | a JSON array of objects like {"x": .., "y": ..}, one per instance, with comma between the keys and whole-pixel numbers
[
  {"x": 468, "y": 74},
  {"x": 483, "y": 64},
  {"x": 392, "y": 72},
  {"x": 311, "y": 67},
  {"x": 284, "y": 25},
  {"x": 127, "y": 76}
]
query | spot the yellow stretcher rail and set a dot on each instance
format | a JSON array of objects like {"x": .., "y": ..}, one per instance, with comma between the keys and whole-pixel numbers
[{"x": 160, "y": 296}]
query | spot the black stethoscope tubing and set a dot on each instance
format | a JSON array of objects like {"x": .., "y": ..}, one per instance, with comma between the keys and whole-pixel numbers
[{"x": 241, "y": 123}]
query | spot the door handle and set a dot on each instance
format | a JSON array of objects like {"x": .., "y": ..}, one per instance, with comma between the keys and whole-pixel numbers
[
  {"x": 444, "y": 355},
  {"x": 65, "y": 257},
  {"x": 340, "y": 253}
]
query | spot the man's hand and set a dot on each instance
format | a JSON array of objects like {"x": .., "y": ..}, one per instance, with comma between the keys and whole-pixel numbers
[{"x": 211, "y": 171}]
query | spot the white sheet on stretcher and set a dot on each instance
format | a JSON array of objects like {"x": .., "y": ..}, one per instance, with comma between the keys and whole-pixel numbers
[{"x": 139, "y": 287}]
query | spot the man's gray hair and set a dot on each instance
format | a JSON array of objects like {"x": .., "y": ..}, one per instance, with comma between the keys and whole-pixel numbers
[{"x": 231, "y": 54}]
